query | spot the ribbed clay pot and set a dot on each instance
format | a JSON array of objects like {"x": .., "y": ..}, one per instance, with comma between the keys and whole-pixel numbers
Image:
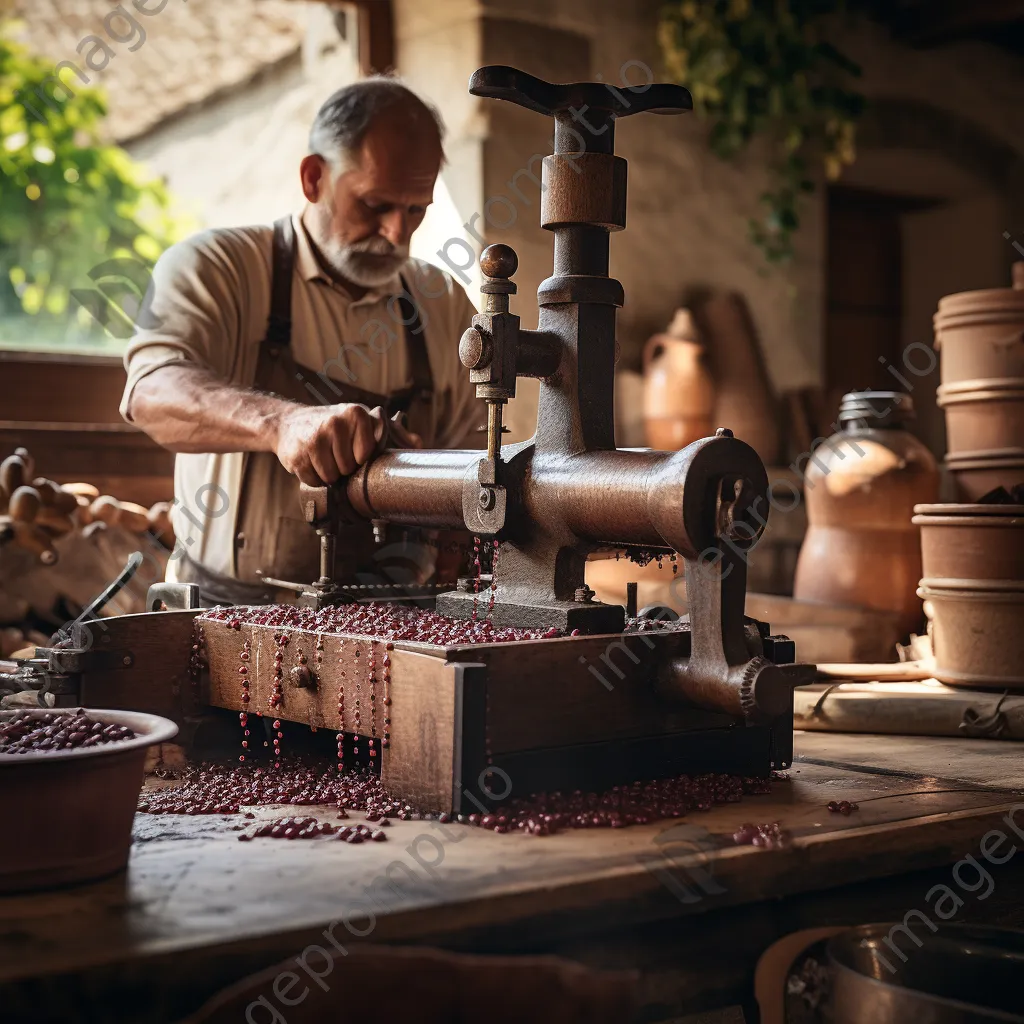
[
  {"x": 679, "y": 394},
  {"x": 976, "y": 631},
  {"x": 861, "y": 486},
  {"x": 980, "y": 334},
  {"x": 971, "y": 542},
  {"x": 983, "y": 414},
  {"x": 977, "y": 473}
]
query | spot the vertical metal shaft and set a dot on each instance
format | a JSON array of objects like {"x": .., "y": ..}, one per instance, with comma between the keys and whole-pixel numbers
[
  {"x": 494, "y": 430},
  {"x": 326, "y": 557}
]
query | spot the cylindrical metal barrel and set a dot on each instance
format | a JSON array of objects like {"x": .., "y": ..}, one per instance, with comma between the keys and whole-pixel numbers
[{"x": 633, "y": 497}]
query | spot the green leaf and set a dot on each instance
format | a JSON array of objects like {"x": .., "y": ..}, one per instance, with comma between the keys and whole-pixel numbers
[
  {"x": 68, "y": 201},
  {"x": 765, "y": 67}
]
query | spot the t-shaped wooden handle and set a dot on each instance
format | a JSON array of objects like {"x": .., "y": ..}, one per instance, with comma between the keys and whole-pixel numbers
[{"x": 500, "y": 82}]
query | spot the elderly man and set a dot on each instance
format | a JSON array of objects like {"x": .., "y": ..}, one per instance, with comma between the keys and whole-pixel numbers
[{"x": 274, "y": 355}]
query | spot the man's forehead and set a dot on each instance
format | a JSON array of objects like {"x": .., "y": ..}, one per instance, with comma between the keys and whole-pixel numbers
[{"x": 387, "y": 160}]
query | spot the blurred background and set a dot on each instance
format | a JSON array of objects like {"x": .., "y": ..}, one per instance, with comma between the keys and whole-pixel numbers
[{"x": 846, "y": 166}]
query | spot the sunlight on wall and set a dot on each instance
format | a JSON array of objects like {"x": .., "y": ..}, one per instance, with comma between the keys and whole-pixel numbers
[{"x": 441, "y": 225}]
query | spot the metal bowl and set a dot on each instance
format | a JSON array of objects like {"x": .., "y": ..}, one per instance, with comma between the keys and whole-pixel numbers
[
  {"x": 960, "y": 974},
  {"x": 68, "y": 813}
]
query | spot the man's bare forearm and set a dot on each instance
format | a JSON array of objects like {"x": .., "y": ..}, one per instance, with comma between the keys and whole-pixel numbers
[{"x": 188, "y": 409}]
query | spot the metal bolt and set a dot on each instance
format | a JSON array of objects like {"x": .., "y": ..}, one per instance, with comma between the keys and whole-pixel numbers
[
  {"x": 126, "y": 660},
  {"x": 474, "y": 349},
  {"x": 584, "y": 595},
  {"x": 302, "y": 678},
  {"x": 486, "y": 499}
]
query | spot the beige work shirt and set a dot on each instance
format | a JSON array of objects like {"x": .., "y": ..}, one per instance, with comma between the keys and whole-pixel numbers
[{"x": 209, "y": 304}]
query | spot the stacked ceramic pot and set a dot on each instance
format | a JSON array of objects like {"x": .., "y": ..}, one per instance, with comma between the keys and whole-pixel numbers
[
  {"x": 973, "y": 588},
  {"x": 973, "y": 553},
  {"x": 980, "y": 339}
]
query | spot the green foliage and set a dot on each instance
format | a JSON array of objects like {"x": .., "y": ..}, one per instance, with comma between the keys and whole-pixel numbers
[
  {"x": 68, "y": 202},
  {"x": 763, "y": 67}
]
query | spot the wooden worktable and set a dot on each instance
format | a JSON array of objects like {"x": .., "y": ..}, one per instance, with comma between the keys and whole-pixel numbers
[{"x": 197, "y": 909}]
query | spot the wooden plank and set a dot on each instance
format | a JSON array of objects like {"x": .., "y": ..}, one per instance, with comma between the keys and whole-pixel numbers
[
  {"x": 189, "y": 877},
  {"x": 62, "y": 388},
  {"x": 976, "y": 762},
  {"x": 541, "y": 693},
  {"x": 907, "y": 708},
  {"x": 420, "y": 763},
  {"x": 117, "y": 458},
  {"x": 550, "y": 693},
  {"x": 157, "y": 680}
]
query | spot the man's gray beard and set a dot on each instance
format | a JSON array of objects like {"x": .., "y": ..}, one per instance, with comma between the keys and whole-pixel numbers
[{"x": 368, "y": 264}]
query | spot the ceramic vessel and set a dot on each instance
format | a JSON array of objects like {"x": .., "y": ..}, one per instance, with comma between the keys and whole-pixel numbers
[
  {"x": 980, "y": 334},
  {"x": 975, "y": 628},
  {"x": 71, "y": 811},
  {"x": 971, "y": 542},
  {"x": 977, "y": 473},
  {"x": 678, "y": 390},
  {"x": 861, "y": 485},
  {"x": 983, "y": 415}
]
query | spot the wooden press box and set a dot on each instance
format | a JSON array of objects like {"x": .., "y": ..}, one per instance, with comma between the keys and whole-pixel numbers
[{"x": 469, "y": 725}]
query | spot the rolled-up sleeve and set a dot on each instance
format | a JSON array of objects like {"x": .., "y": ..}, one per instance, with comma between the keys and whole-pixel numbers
[{"x": 190, "y": 315}]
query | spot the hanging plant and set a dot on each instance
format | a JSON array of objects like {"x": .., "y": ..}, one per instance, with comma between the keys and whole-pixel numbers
[{"x": 763, "y": 68}]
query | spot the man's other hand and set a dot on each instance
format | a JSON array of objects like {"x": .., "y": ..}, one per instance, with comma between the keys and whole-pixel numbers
[{"x": 321, "y": 444}]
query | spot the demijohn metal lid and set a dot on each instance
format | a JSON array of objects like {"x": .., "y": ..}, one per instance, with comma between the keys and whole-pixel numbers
[{"x": 882, "y": 410}]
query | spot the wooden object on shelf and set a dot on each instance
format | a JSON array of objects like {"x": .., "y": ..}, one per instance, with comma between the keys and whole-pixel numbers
[
  {"x": 822, "y": 632},
  {"x": 744, "y": 399},
  {"x": 911, "y": 708}
]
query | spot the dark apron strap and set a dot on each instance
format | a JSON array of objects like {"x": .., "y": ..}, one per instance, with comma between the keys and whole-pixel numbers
[
  {"x": 279, "y": 323},
  {"x": 282, "y": 271},
  {"x": 416, "y": 346}
]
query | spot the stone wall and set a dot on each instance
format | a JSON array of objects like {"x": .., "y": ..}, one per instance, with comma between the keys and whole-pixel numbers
[{"x": 687, "y": 210}]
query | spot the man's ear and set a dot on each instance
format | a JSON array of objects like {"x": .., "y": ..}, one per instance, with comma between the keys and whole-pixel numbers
[{"x": 315, "y": 176}]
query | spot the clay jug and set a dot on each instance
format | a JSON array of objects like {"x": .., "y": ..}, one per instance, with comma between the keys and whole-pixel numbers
[
  {"x": 678, "y": 390},
  {"x": 861, "y": 486}
]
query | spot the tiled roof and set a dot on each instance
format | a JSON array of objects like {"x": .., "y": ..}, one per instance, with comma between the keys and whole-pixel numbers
[{"x": 194, "y": 49}]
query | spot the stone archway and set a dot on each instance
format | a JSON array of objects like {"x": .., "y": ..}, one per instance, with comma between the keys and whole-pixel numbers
[{"x": 896, "y": 123}]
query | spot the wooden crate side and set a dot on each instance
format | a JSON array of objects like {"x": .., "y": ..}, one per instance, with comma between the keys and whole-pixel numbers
[
  {"x": 156, "y": 680},
  {"x": 420, "y": 765}
]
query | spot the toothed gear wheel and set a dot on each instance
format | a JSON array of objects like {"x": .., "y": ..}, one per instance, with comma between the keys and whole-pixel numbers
[{"x": 750, "y": 673}]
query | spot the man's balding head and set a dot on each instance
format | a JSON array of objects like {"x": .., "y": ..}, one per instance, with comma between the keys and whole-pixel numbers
[
  {"x": 375, "y": 152},
  {"x": 346, "y": 118}
]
